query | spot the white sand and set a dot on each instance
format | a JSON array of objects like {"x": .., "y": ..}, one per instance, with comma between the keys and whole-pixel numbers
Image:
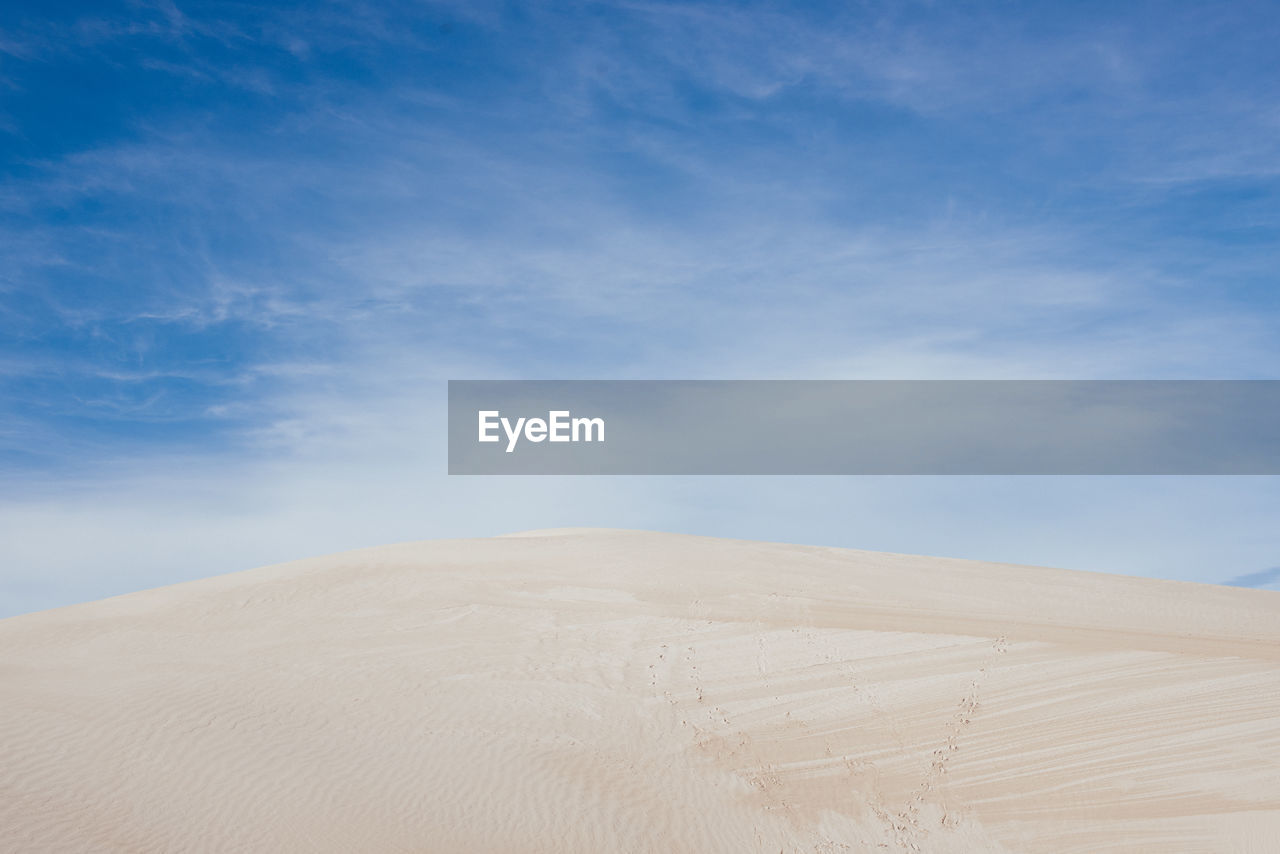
[{"x": 608, "y": 691}]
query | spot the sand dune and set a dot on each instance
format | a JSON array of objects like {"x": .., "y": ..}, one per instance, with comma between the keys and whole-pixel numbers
[{"x": 612, "y": 691}]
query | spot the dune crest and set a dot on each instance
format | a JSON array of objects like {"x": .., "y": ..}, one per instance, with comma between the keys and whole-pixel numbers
[{"x": 614, "y": 691}]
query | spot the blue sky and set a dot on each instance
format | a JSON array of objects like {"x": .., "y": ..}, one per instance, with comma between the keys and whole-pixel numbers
[{"x": 243, "y": 249}]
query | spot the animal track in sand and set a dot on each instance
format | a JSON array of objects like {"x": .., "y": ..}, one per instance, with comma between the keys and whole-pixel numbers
[
  {"x": 716, "y": 732},
  {"x": 906, "y": 822}
]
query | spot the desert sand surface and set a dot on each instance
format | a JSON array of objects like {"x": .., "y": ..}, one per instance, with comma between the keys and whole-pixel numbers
[{"x": 616, "y": 691}]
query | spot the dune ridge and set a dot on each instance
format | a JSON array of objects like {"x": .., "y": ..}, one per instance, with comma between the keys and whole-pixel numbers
[{"x": 615, "y": 691}]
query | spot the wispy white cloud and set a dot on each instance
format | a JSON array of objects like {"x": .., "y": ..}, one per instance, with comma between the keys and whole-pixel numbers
[{"x": 286, "y": 261}]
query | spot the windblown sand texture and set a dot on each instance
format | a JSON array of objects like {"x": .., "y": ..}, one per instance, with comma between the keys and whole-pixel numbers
[{"x": 613, "y": 691}]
